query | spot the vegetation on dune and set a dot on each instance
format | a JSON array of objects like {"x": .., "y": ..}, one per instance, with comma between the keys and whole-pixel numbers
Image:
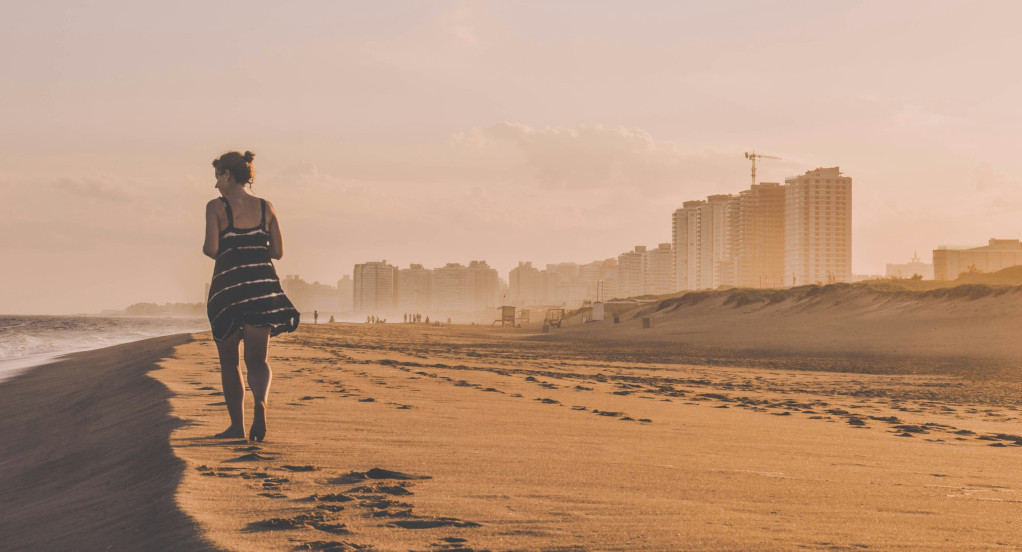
[{"x": 968, "y": 286}]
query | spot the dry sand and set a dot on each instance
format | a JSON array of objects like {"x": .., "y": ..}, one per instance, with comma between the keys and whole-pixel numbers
[
  {"x": 501, "y": 441},
  {"x": 833, "y": 420}
]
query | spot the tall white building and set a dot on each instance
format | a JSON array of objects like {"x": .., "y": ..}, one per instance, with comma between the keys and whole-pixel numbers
[
  {"x": 712, "y": 233},
  {"x": 414, "y": 289},
  {"x": 450, "y": 288},
  {"x": 757, "y": 237},
  {"x": 629, "y": 272},
  {"x": 658, "y": 270},
  {"x": 484, "y": 286},
  {"x": 346, "y": 289},
  {"x": 685, "y": 242},
  {"x": 526, "y": 285},
  {"x": 818, "y": 227},
  {"x": 375, "y": 287}
]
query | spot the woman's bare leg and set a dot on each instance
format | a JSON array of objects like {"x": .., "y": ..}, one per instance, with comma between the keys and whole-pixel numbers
[
  {"x": 259, "y": 376},
  {"x": 234, "y": 386}
]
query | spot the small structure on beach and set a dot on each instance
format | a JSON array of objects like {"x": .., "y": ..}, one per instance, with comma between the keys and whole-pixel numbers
[{"x": 507, "y": 317}]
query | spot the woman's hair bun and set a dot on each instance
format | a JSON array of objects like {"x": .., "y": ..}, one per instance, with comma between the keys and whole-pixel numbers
[{"x": 240, "y": 166}]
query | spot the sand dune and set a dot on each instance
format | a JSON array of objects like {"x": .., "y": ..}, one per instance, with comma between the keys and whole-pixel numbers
[{"x": 969, "y": 329}]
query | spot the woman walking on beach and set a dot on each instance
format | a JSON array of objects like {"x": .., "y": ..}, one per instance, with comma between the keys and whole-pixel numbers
[{"x": 245, "y": 300}]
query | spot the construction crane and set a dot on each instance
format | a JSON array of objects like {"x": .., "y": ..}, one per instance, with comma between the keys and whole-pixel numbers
[{"x": 753, "y": 157}]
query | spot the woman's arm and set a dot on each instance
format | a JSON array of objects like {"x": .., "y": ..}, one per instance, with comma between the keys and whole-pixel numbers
[
  {"x": 212, "y": 244},
  {"x": 276, "y": 242}
]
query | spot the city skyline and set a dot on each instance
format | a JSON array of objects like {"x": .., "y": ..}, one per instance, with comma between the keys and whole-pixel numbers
[{"x": 483, "y": 130}]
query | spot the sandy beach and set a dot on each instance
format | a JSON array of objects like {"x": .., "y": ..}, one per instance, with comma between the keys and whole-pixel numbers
[{"x": 411, "y": 437}]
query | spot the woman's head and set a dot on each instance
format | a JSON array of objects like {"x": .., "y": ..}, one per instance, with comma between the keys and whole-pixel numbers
[{"x": 238, "y": 166}]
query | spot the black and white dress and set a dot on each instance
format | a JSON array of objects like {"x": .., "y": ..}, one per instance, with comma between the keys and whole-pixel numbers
[{"x": 245, "y": 288}]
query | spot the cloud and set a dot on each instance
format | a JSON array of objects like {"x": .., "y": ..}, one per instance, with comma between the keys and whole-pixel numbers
[
  {"x": 99, "y": 187},
  {"x": 912, "y": 115},
  {"x": 579, "y": 159}
]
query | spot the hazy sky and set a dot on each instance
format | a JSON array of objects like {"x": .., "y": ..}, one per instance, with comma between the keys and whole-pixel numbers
[{"x": 435, "y": 132}]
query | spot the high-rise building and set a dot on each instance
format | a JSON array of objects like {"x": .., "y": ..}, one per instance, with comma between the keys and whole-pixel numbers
[
  {"x": 818, "y": 227},
  {"x": 526, "y": 285},
  {"x": 658, "y": 270},
  {"x": 414, "y": 289},
  {"x": 375, "y": 287},
  {"x": 629, "y": 272},
  {"x": 450, "y": 288},
  {"x": 757, "y": 236},
  {"x": 484, "y": 286},
  {"x": 949, "y": 262},
  {"x": 346, "y": 289},
  {"x": 685, "y": 242},
  {"x": 308, "y": 297},
  {"x": 712, "y": 216}
]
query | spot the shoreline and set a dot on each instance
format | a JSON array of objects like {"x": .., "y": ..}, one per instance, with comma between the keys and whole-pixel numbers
[
  {"x": 11, "y": 367},
  {"x": 84, "y": 442}
]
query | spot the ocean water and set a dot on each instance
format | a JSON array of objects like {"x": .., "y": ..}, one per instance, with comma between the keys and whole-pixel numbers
[{"x": 27, "y": 341}]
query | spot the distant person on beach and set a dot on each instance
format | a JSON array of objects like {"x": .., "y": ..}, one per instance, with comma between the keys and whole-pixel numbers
[
  {"x": 246, "y": 302},
  {"x": 315, "y": 317}
]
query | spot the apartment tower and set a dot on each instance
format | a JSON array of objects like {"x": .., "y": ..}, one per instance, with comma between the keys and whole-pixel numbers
[
  {"x": 757, "y": 236},
  {"x": 375, "y": 287},
  {"x": 818, "y": 228},
  {"x": 712, "y": 242},
  {"x": 685, "y": 244}
]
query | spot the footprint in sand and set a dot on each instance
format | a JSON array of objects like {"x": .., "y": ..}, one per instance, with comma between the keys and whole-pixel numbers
[
  {"x": 334, "y": 546},
  {"x": 315, "y": 520},
  {"x": 250, "y": 457},
  {"x": 453, "y": 544},
  {"x": 331, "y": 497},
  {"x": 385, "y": 508},
  {"x": 289, "y": 467},
  {"x": 379, "y": 488},
  {"x": 273, "y": 495},
  {"x": 431, "y": 523}
]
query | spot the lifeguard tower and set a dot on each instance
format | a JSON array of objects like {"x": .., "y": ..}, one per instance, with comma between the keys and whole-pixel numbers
[
  {"x": 554, "y": 317},
  {"x": 507, "y": 317}
]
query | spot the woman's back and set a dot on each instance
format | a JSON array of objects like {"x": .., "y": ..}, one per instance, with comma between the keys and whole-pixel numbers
[{"x": 246, "y": 211}]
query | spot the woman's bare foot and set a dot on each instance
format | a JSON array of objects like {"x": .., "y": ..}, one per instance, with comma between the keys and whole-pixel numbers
[
  {"x": 258, "y": 430},
  {"x": 231, "y": 433}
]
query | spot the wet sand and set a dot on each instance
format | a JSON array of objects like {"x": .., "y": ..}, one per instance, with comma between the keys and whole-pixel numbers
[
  {"x": 85, "y": 459},
  {"x": 397, "y": 437}
]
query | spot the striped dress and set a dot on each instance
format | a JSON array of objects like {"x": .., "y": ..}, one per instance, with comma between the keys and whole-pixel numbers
[{"x": 245, "y": 288}]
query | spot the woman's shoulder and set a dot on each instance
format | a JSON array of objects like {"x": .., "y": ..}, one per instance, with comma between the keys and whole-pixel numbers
[{"x": 269, "y": 206}]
